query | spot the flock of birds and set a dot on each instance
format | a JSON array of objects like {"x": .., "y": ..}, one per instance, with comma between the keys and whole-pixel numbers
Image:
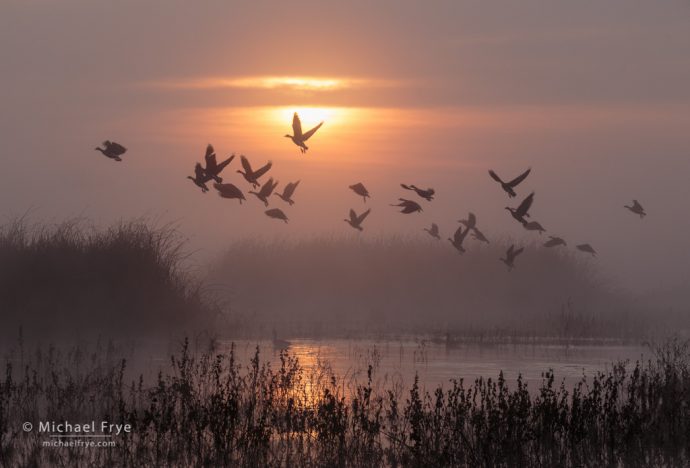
[{"x": 211, "y": 170}]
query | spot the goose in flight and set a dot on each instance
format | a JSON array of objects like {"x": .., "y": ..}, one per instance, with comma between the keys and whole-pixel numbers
[
  {"x": 636, "y": 208},
  {"x": 427, "y": 194},
  {"x": 534, "y": 226},
  {"x": 356, "y": 220},
  {"x": 266, "y": 191},
  {"x": 112, "y": 150},
  {"x": 479, "y": 235},
  {"x": 587, "y": 249},
  {"x": 200, "y": 178},
  {"x": 212, "y": 168},
  {"x": 251, "y": 175},
  {"x": 276, "y": 213},
  {"x": 458, "y": 239},
  {"x": 509, "y": 186},
  {"x": 360, "y": 190},
  {"x": 408, "y": 206},
  {"x": 433, "y": 232},
  {"x": 299, "y": 138},
  {"x": 511, "y": 253},
  {"x": 520, "y": 213},
  {"x": 289, "y": 189},
  {"x": 229, "y": 191},
  {"x": 554, "y": 242}
]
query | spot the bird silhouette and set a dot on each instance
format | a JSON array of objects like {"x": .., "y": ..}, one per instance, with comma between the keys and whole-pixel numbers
[
  {"x": 458, "y": 239},
  {"x": 276, "y": 213},
  {"x": 479, "y": 235},
  {"x": 433, "y": 232},
  {"x": 360, "y": 190},
  {"x": 112, "y": 150},
  {"x": 509, "y": 186},
  {"x": 534, "y": 226},
  {"x": 520, "y": 213},
  {"x": 408, "y": 206},
  {"x": 251, "y": 175},
  {"x": 554, "y": 242},
  {"x": 229, "y": 191},
  {"x": 587, "y": 249},
  {"x": 266, "y": 191},
  {"x": 299, "y": 138},
  {"x": 427, "y": 194},
  {"x": 636, "y": 208},
  {"x": 356, "y": 220},
  {"x": 212, "y": 168},
  {"x": 200, "y": 178},
  {"x": 289, "y": 189},
  {"x": 511, "y": 253}
]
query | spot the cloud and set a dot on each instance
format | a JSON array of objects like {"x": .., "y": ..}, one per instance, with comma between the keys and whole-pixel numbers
[{"x": 297, "y": 83}]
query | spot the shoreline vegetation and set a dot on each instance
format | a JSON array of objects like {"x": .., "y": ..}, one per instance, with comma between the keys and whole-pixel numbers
[{"x": 209, "y": 409}]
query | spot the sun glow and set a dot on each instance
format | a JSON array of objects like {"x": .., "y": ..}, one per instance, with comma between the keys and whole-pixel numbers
[{"x": 297, "y": 83}]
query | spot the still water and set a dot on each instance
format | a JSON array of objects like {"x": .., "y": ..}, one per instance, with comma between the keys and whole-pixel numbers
[{"x": 398, "y": 361}]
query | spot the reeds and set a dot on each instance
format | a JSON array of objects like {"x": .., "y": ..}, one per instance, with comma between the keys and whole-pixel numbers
[{"x": 210, "y": 410}]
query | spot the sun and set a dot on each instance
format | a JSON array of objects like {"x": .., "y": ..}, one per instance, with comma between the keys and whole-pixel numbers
[{"x": 310, "y": 116}]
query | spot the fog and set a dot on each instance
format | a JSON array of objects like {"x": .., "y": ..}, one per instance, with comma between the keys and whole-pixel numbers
[{"x": 593, "y": 97}]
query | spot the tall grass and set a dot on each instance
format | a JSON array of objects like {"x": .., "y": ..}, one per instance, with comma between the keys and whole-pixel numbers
[
  {"x": 73, "y": 278},
  {"x": 210, "y": 410}
]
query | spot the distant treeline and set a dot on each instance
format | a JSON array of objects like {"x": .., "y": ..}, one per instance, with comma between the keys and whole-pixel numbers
[
  {"x": 350, "y": 286},
  {"x": 74, "y": 279}
]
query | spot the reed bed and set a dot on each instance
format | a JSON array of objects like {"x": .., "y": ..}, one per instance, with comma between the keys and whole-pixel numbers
[{"x": 208, "y": 409}]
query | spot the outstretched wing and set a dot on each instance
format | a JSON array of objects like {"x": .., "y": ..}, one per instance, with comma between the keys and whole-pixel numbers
[
  {"x": 245, "y": 164},
  {"x": 495, "y": 177},
  {"x": 434, "y": 228},
  {"x": 363, "y": 216},
  {"x": 637, "y": 206},
  {"x": 308, "y": 135},
  {"x": 353, "y": 216},
  {"x": 210, "y": 157},
  {"x": 290, "y": 189},
  {"x": 406, "y": 187},
  {"x": 267, "y": 188},
  {"x": 520, "y": 178},
  {"x": 221, "y": 166},
  {"x": 517, "y": 252},
  {"x": 460, "y": 235},
  {"x": 114, "y": 148},
  {"x": 198, "y": 172},
  {"x": 263, "y": 170},
  {"x": 525, "y": 205},
  {"x": 471, "y": 220},
  {"x": 296, "y": 126},
  {"x": 510, "y": 251}
]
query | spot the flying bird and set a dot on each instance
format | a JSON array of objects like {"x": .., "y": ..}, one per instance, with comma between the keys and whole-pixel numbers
[
  {"x": 356, "y": 220},
  {"x": 479, "y": 235},
  {"x": 554, "y": 242},
  {"x": 427, "y": 194},
  {"x": 509, "y": 186},
  {"x": 112, "y": 150},
  {"x": 511, "y": 253},
  {"x": 266, "y": 191},
  {"x": 200, "y": 178},
  {"x": 408, "y": 206},
  {"x": 229, "y": 191},
  {"x": 458, "y": 239},
  {"x": 520, "y": 213},
  {"x": 360, "y": 190},
  {"x": 299, "y": 138},
  {"x": 212, "y": 168},
  {"x": 251, "y": 175},
  {"x": 276, "y": 213},
  {"x": 587, "y": 249},
  {"x": 636, "y": 208},
  {"x": 534, "y": 226},
  {"x": 289, "y": 189},
  {"x": 433, "y": 231}
]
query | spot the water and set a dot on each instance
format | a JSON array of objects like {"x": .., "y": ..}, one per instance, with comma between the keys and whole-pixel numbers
[{"x": 397, "y": 361}]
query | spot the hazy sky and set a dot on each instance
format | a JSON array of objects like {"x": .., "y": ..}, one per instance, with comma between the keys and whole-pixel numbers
[{"x": 593, "y": 95}]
